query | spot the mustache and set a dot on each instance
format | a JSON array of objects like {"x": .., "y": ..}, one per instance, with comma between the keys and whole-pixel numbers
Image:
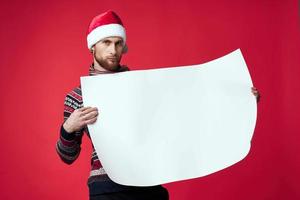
[{"x": 112, "y": 57}]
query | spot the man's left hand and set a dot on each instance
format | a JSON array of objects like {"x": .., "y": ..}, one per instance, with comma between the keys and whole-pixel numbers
[{"x": 255, "y": 93}]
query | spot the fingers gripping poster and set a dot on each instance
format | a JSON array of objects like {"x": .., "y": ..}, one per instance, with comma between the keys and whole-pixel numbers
[{"x": 163, "y": 125}]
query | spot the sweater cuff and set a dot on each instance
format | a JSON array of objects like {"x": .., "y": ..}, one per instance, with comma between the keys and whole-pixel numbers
[{"x": 66, "y": 135}]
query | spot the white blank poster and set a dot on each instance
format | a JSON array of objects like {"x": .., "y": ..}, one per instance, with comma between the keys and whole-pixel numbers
[{"x": 164, "y": 125}]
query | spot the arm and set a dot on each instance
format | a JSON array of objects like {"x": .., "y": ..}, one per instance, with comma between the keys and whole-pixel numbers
[
  {"x": 68, "y": 145},
  {"x": 71, "y": 131}
]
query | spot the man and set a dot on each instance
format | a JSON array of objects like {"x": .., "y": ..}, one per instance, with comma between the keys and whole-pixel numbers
[{"x": 106, "y": 40}]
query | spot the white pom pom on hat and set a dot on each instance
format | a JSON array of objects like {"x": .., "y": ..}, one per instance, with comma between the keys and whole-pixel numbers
[{"x": 105, "y": 25}]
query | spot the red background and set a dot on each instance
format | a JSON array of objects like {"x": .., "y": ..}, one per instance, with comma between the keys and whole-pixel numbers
[{"x": 43, "y": 54}]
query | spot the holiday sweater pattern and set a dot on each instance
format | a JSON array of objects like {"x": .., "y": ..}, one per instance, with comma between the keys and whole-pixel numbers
[{"x": 68, "y": 145}]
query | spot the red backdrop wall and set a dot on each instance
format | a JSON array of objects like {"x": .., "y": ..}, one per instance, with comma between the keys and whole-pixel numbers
[{"x": 43, "y": 53}]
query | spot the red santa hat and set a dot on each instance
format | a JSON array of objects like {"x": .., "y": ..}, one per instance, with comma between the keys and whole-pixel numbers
[{"x": 107, "y": 24}]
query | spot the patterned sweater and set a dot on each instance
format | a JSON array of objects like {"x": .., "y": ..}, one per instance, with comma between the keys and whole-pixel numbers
[{"x": 68, "y": 145}]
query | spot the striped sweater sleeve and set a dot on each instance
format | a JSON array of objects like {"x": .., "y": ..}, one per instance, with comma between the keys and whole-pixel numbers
[{"x": 68, "y": 144}]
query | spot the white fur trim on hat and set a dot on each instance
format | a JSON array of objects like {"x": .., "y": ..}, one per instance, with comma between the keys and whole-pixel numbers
[{"x": 105, "y": 31}]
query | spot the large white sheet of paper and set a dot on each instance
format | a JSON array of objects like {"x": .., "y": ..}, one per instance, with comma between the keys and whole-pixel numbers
[{"x": 164, "y": 125}]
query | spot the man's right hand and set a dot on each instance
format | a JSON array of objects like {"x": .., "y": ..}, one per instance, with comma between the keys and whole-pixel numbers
[{"x": 80, "y": 118}]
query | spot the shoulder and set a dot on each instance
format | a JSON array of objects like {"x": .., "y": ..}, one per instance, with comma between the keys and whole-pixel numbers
[
  {"x": 74, "y": 98},
  {"x": 76, "y": 93}
]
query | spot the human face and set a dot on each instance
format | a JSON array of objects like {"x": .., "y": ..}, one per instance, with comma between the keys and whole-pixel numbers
[{"x": 108, "y": 53}]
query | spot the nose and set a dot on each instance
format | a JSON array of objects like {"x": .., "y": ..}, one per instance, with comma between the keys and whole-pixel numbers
[{"x": 112, "y": 49}]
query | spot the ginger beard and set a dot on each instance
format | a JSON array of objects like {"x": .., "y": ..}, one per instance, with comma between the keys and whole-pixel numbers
[{"x": 108, "y": 62}]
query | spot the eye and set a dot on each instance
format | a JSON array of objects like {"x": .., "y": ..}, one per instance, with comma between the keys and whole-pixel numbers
[
  {"x": 119, "y": 43},
  {"x": 106, "y": 42}
]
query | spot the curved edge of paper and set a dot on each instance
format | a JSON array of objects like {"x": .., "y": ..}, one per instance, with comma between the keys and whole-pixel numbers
[{"x": 167, "y": 181}]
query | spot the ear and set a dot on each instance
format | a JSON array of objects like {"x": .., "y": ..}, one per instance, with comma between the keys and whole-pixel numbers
[{"x": 92, "y": 49}]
